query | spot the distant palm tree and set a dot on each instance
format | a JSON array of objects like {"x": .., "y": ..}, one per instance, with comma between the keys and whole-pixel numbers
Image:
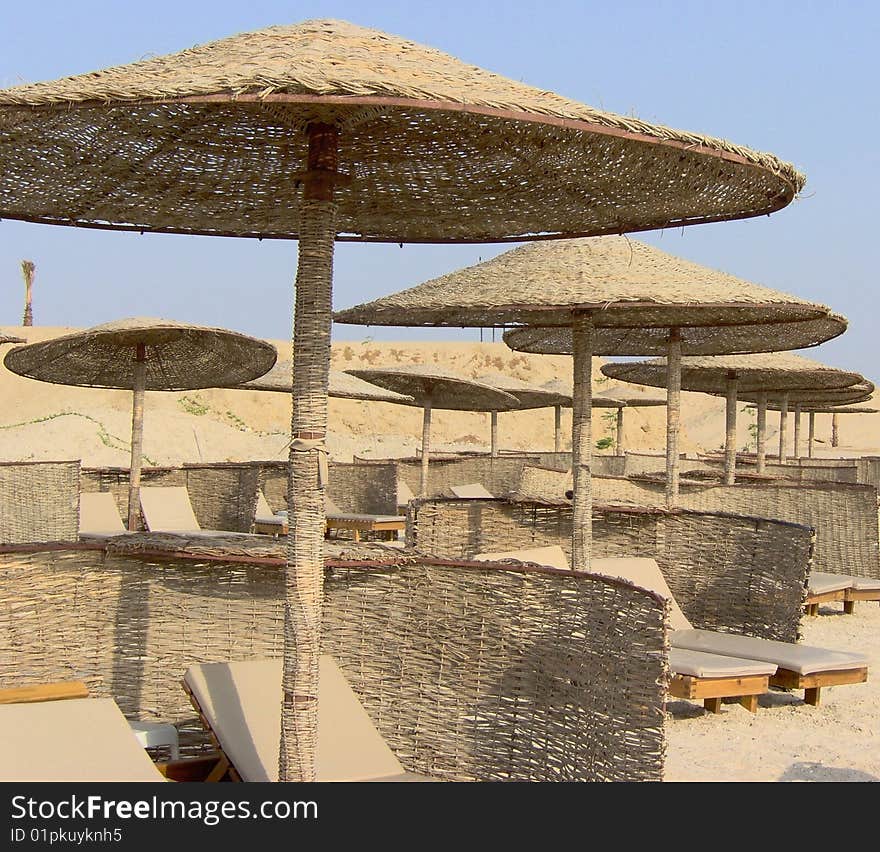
[{"x": 28, "y": 269}]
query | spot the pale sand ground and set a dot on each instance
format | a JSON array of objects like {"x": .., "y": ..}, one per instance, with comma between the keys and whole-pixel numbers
[{"x": 785, "y": 740}]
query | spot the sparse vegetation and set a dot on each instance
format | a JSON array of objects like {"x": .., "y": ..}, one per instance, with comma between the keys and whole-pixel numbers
[{"x": 192, "y": 406}]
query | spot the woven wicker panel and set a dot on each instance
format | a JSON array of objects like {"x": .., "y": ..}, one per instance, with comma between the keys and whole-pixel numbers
[
  {"x": 168, "y": 143},
  {"x": 223, "y": 496},
  {"x": 843, "y": 515},
  {"x": 498, "y": 475},
  {"x": 869, "y": 471},
  {"x": 543, "y": 483},
  {"x": 727, "y": 572},
  {"x": 39, "y": 501},
  {"x": 364, "y": 488},
  {"x": 179, "y": 356},
  {"x": 814, "y": 472},
  {"x": 477, "y": 673}
]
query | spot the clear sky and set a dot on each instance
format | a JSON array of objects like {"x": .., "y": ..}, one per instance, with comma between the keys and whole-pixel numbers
[{"x": 798, "y": 79}]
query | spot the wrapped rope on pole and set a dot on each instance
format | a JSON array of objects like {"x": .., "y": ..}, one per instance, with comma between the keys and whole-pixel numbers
[
  {"x": 783, "y": 429},
  {"x": 137, "y": 437},
  {"x": 730, "y": 431},
  {"x": 582, "y": 448},
  {"x": 673, "y": 415},
  {"x": 761, "y": 465}
]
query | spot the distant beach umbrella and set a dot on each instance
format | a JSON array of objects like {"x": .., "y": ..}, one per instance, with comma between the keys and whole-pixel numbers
[
  {"x": 141, "y": 354},
  {"x": 6, "y": 338},
  {"x": 325, "y": 131},
  {"x": 741, "y": 377},
  {"x": 431, "y": 389}
]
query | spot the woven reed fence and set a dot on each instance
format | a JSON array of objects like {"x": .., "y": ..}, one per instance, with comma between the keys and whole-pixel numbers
[
  {"x": 368, "y": 487},
  {"x": 727, "y": 572},
  {"x": 39, "y": 501},
  {"x": 868, "y": 471},
  {"x": 223, "y": 494},
  {"x": 499, "y": 475},
  {"x": 801, "y": 470},
  {"x": 639, "y": 463},
  {"x": 844, "y": 515},
  {"x": 470, "y": 671}
]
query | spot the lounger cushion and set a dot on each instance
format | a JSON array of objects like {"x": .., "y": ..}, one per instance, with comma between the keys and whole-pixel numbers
[
  {"x": 472, "y": 489},
  {"x": 78, "y": 739},
  {"x": 242, "y": 703},
  {"x": 704, "y": 665},
  {"x": 264, "y": 513},
  {"x": 168, "y": 509},
  {"x": 821, "y": 583},
  {"x": 554, "y": 556},
  {"x": 801, "y": 659},
  {"x": 644, "y": 572},
  {"x": 865, "y": 584},
  {"x": 99, "y": 514}
]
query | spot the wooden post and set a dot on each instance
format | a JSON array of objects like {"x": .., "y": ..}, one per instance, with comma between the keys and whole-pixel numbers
[
  {"x": 137, "y": 437},
  {"x": 797, "y": 432},
  {"x": 811, "y": 434},
  {"x": 27, "y": 270},
  {"x": 557, "y": 423},
  {"x": 673, "y": 414},
  {"x": 493, "y": 415},
  {"x": 730, "y": 432},
  {"x": 582, "y": 440},
  {"x": 426, "y": 447},
  {"x": 762, "y": 434},
  {"x": 304, "y": 574},
  {"x": 835, "y": 435},
  {"x": 783, "y": 427},
  {"x": 620, "y": 447}
]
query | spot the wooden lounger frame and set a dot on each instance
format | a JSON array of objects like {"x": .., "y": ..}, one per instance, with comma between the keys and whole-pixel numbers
[
  {"x": 367, "y": 524},
  {"x": 812, "y": 684},
  {"x": 853, "y": 595},
  {"x": 57, "y": 691},
  {"x": 811, "y": 604},
  {"x": 713, "y": 689},
  {"x": 222, "y": 768}
]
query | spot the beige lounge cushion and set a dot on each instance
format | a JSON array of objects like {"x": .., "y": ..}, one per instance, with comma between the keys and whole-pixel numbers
[
  {"x": 404, "y": 494},
  {"x": 644, "y": 572},
  {"x": 264, "y": 513},
  {"x": 553, "y": 555},
  {"x": 802, "y": 659},
  {"x": 703, "y": 665},
  {"x": 99, "y": 514},
  {"x": 167, "y": 509},
  {"x": 865, "y": 584},
  {"x": 472, "y": 489},
  {"x": 77, "y": 739},
  {"x": 821, "y": 583},
  {"x": 242, "y": 703}
]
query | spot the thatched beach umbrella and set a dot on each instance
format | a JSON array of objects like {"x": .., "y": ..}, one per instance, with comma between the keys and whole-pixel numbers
[
  {"x": 141, "y": 354},
  {"x": 813, "y": 403},
  {"x": 6, "y": 338},
  {"x": 431, "y": 388},
  {"x": 341, "y": 385},
  {"x": 735, "y": 375},
  {"x": 326, "y": 131},
  {"x": 621, "y": 398},
  {"x": 529, "y": 396},
  {"x": 605, "y": 295}
]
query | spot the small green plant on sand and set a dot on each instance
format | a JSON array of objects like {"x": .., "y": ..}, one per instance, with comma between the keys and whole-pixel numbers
[
  {"x": 604, "y": 443},
  {"x": 192, "y": 406}
]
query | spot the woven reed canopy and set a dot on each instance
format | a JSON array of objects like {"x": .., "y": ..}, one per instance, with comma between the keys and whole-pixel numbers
[
  {"x": 859, "y": 392},
  {"x": 627, "y": 398},
  {"x": 140, "y": 354},
  {"x": 341, "y": 385},
  {"x": 176, "y": 142},
  {"x": 323, "y": 131},
  {"x": 628, "y": 286},
  {"x": 528, "y": 395},
  {"x": 178, "y": 356},
  {"x": 6, "y": 338},
  {"x": 431, "y": 388},
  {"x": 776, "y": 371}
]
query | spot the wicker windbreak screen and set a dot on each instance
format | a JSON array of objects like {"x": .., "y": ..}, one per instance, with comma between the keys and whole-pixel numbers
[
  {"x": 39, "y": 501},
  {"x": 474, "y": 671}
]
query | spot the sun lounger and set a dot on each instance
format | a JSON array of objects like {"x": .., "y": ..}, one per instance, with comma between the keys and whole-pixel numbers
[
  {"x": 99, "y": 515},
  {"x": 266, "y": 521},
  {"x": 404, "y": 495},
  {"x": 473, "y": 490},
  {"x": 167, "y": 508},
  {"x": 824, "y": 588},
  {"x": 799, "y": 666},
  {"x": 78, "y": 739},
  {"x": 695, "y": 675},
  {"x": 387, "y": 525},
  {"x": 240, "y": 705}
]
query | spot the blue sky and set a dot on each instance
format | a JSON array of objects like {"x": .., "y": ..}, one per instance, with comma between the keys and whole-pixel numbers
[{"x": 796, "y": 79}]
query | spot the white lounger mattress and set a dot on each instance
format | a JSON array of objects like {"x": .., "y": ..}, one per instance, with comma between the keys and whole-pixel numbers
[
  {"x": 704, "y": 665},
  {"x": 821, "y": 583},
  {"x": 242, "y": 703}
]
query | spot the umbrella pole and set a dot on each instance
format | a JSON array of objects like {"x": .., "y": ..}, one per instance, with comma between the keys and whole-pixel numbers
[
  {"x": 762, "y": 433},
  {"x": 730, "y": 433},
  {"x": 137, "y": 438},
  {"x": 673, "y": 414},
  {"x": 620, "y": 449},
  {"x": 582, "y": 441},
  {"x": 304, "y": 576},
  {"x": 834, "y": 434},
  {"x": 493, "y": 416},
  {"x": 783, "y": 426},
  {"x": 557, "y": 422},
  {"x": 811, "y": 434},
  {"x": 797, "y": 432},
  {"x": 426, "y": 442}
]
